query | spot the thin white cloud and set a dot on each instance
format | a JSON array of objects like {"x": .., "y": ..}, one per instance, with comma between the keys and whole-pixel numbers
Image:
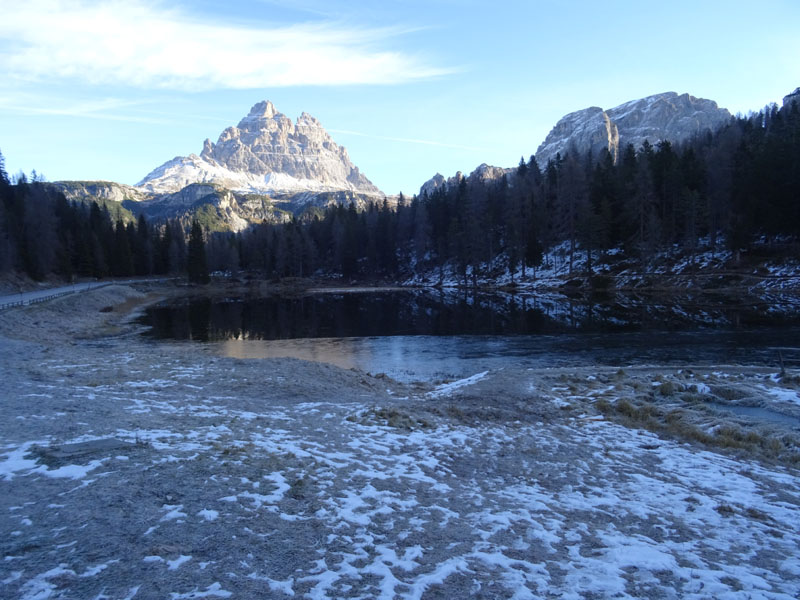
[
  {"x": 108, "y": 109},
  {"x": 145, "y": 44}
]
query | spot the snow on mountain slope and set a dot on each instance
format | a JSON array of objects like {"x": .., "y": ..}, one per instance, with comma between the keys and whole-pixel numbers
[{"x": 266, "y": 153}]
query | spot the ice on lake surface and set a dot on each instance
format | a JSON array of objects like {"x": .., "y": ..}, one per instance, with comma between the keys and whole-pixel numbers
[
  {"x": 424, "y": 335},
  {"x": 410, "y": 358},
  {"x": 757, "y": 412}
]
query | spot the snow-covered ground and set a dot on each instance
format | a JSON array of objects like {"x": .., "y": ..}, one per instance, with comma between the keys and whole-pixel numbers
[
  {"x": 226, "y": 478},
  {"x": 708, "y": 267}
]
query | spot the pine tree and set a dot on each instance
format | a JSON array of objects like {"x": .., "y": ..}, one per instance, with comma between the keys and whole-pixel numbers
[
  {"x": 122, "y": 256},
  {"x": 4, "y": 180},
  {"x": 143, "y": 256},
  {"x": 196, "y": 263},
  {"x": 422, "y": 229},
  {"x": 522, "y": 168},
  {"x": 40, "y": 239},
  {"x": 7, "y": 252}
]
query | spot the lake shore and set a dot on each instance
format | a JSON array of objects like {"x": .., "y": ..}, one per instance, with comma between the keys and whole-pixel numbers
[{"x": 135, "y": 469}]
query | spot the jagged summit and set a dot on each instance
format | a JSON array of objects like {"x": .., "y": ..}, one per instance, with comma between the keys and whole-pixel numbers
[
  {"x": 666, "y": 116},
  {"x": 793, "y": 97},
  {"x": 482, "y": 172},
  {"x": 266, "y": 152},
  {"x": 265, "y": 109},
  {"x": 261, "y": 116}
]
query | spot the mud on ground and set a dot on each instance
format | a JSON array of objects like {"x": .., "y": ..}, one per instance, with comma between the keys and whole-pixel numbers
[{"x": 135, "y": 469}]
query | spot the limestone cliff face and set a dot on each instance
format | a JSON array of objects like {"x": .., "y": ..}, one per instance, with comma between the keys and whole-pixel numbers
[
  {"x": 433, "y": 184},
  {"x": 265, "y": 153},
  {"x": 98, "y": 190},
  {"x": 483, "y": 173},
  {"x": 589, "y": 129},
  {"x": 226, "y": 210},
  {"x": 667, "y": 116},
  {"x": 793, "y": 97}
]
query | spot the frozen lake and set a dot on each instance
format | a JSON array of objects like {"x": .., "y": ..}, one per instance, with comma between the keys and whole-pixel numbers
[{"x": 412, "y": 335}]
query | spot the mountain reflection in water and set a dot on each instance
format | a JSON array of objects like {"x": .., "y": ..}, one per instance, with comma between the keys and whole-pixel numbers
[{"x": 335, "y": 351}]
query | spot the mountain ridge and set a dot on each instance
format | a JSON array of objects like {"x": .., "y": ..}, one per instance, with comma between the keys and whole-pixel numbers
[
  {"x": 266, "y": 152},
  {"x": 665, "y": 116}
]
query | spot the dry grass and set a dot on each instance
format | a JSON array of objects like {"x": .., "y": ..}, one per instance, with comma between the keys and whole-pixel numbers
[
  {"x": 726, "y": 510},
  {"x": 727, "y": 393},
  {"x": 681, "y": 423},
  {"x": 668, "y": 388},
  {"x": 391, "y": 417}
]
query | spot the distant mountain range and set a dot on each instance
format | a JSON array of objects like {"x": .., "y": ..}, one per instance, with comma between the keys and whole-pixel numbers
[
  {"x": 265, "y": 169},
  {"x": 666, "y": 116},
  {"x": 268, "y": 167}
]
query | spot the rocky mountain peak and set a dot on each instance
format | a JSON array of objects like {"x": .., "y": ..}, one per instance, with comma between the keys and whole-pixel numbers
[
  {"x": 662, "y": 116},
  {"x": 793, "y": 97},
  {"x": 482, "y": 173},
  {"x": 264, "y": 109},
  {"x": 266, "y": 152},
  {"x": 263, "y": 115},
  {"x": 307, "y": 119},
  {"x": 434, "y": 183}
]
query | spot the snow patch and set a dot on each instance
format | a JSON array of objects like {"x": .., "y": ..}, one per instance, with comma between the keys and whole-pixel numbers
[{"x": 448, "y": 388}]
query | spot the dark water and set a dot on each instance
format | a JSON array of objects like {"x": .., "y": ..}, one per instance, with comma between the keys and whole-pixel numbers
[{"x": 413, "y": 335}]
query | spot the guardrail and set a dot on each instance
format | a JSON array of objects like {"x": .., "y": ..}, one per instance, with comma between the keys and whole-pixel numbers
[
  {"x": 34, "y": 297},
  {"x": 37, "y": 299}
]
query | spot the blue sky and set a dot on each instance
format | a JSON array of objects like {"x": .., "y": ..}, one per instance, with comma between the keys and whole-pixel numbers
[{"x": 110, "y": 89}]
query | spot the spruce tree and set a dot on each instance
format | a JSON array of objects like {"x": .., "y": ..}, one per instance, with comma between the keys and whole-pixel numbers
[
  {"x": 4, "y": 180},
  {"x": 522, "y": 169},
  {"x": 196, "y": 263},
  {"x": 121, "y": 255}
]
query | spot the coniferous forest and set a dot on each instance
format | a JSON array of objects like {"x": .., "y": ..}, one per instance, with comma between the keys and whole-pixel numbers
[{"x": 731, "y": 188}]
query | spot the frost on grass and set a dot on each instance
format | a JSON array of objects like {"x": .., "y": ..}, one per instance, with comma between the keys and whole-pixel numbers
[{"x": 287, "y": 479}]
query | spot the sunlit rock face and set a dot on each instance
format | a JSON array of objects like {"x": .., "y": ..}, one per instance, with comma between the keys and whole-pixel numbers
[
  {"x": 266, "y": 153},
  {"x": 667, "y": 116},
  {"x": 98, "y": 190},
  {"x": 433, "y": 184},
  {"x": 483, "y": 173}
]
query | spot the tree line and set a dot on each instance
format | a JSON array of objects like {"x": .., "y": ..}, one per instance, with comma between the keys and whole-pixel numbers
[
  {"x": 731, "y": 188},
  {"x": 735, "y": 187},
  {"x": 43, "y": 234}
]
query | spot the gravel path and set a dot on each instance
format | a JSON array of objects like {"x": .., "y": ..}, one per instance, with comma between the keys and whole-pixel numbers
[{"x": 130, "y": 469}]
